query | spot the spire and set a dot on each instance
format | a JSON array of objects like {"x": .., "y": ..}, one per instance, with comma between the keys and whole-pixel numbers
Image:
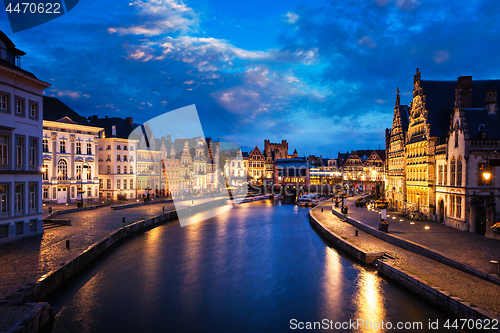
[{"x": 397, "y": 97}]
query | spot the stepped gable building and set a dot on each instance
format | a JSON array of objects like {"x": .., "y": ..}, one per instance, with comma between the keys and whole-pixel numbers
[
  {"x": 395, "y": 149},
  {"x": 117, "y": 157},
  {"x": 256, "y": 165},
  {"x": 21, "y": 130},
  {"x": 70, "y": 145},
  {"x": 451, "y": 153}
]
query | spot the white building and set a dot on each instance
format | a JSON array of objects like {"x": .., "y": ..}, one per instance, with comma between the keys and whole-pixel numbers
[
  {"x": 236, "y": 170},
  {"x": 117, "y": 159},
  {"x": 21, "y": 110},
  {"x": 69, "y": 155}
]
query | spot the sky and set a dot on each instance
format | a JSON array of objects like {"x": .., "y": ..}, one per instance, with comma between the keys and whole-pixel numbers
[{"x": 320, "y": 74}]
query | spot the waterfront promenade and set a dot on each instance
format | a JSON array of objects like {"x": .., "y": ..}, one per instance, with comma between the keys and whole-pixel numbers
[
  {"x": 442, "y": 239},
  {"x": 26, "y": 261}
]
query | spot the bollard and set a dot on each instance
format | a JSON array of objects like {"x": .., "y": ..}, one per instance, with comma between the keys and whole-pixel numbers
[
  {"x": 123, "y": 220},
  {"x": 356, "y": 233},
  {"x": 322, "y": 210},
  {"x": 67, "y": 243},
  {"x": 493, "y": 267},
  {"x": 50, "y": 209},
  {"x": 163, "y": 208}
]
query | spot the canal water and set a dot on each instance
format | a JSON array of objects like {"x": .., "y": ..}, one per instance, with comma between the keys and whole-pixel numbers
[{"x": 256, "y": 268}]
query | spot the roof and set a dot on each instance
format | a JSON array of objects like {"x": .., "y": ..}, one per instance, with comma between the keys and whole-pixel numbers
[
  {"x": 439, "y": 102},
  {"x": 477, "y": 117},
  {"x": 123, "y": 126},
  {"x": 54, "y": 109}
]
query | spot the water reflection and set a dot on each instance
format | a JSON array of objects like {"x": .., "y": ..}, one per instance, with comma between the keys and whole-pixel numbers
[
  {"x": 369, "y": 301},
  {"x": 332, "y": 282}
]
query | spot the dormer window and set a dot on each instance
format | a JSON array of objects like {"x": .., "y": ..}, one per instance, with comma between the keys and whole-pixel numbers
[{"x": 482, "y": 132}]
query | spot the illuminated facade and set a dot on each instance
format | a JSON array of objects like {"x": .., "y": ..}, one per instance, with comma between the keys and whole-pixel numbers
[
  {"x": 256, "y": 166},
  {"x": 21, "y": 111},
  {"x": 396, "y": 180}
]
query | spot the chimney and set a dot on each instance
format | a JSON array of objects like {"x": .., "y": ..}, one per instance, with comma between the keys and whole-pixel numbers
[
  {"x": 463, "y": 92},
  {"x": 491, "y": 102},
  {"x": 113, "y": 131},
  {"x": 94, "y": 116},
  {"x": 130, "y": 120}
]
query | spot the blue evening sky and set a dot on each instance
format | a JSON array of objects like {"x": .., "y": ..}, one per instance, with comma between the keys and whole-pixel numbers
[{"x": 320, "y": 74}]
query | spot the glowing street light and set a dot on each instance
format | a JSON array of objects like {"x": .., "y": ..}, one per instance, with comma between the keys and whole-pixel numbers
[{"x": 486, "y": 175}]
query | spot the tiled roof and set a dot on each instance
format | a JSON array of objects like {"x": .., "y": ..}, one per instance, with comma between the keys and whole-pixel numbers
[
  {"x": 123, "y": 126},
  {"x": 476, "y": 117},
  {"x": 440, "y": 101}
]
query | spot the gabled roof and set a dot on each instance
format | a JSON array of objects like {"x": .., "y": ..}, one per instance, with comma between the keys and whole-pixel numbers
[
  {"x": 54, "y": 110},
  {"x": 477, "y": 117},
  {"x": 440, "y": 101}
]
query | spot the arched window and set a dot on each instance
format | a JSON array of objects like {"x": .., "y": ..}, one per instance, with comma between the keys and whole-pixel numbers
[
  {"x": 62, "y": 170},
  {"x": 452, "y": 172},
  {"x": 459, "y": 171}
]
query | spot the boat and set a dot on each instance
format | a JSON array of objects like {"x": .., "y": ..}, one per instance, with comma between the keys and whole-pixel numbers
[{"x": 308, "y": 200}]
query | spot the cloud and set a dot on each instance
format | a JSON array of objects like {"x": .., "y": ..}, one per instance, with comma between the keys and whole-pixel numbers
[
  {"x": 407, "y": 5},
  {"x": 441, "y": 56},
  {"x": 75, "y": 95},
  {"x": 159, "y": 17},
  {"x": 380, "y": 101},
  {"x": 291, "y": 17},
  {"x": 367, "y": 41}
]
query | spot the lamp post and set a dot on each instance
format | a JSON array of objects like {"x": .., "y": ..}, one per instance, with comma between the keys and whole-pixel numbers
[{"x": 79, "y": 202}]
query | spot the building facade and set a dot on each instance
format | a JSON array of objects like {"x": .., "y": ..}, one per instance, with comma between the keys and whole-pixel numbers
[
  {"x": 256, "y": 167},
  {"x": 21, "y": 130}
]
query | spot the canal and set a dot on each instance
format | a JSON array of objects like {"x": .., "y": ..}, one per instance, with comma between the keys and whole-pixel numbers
[{"x": 251, "y": 269}]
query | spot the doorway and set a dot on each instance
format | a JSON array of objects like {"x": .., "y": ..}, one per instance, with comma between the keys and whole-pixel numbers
[
  {"x": 441, "y": 211},
  {"x": 62, "y": 195}
]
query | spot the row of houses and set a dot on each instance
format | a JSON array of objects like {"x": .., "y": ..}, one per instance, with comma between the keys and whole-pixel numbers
[{"x": 443, "y": 151}]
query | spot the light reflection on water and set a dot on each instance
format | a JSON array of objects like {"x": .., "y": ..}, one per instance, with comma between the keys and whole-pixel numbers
[{"x": 252, "y": 268}]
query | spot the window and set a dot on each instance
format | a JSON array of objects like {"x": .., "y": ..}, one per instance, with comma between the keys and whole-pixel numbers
[
  {"x": 108, "y": 147},
  {"x": 45, "y": 174},
  {"x": 125, "y": 148},
  {"x": 109, "y": 169},
  {"x": 108, "y": 158},
  {"x": 79, "y": 147},
  {"x": 131, "y": 148},
  {"x": 118, "y": 184},
  {"x": 19, "y": 228},
  {"x": 32, "y": 197},
  {"x": 459, "y": 171},
  {"x": 89, "y": 148},
  {"x": 131, "y": 184},
  {"x": 45, "y": 193},
  {"x": 33, "y": 154},
  {"x": 445, "y": 175},
  {"x": 4, "y": 231},
  {"x": 45, "y": 145},
  {"x": 118, "y": 169},
  {"x": 19, "y": 152},
  {"x": 62, "y": 170},
  {"x": 78, "y": 172},
  {"x": 4, "y": 203},
  {"x": 118, "y": 158},
  {"x": 89, "y": 191},
  {"x": 19, "y": 107},
  {"x": 33, "y": 110},
  {"x": 458, "y": 201},
  {"x": 483, "y": 169},
  {"x": 125, "y": 169},
  {"x": 108, "y": 184},
  {"x": 4, "y": 102},
  {"x": 452, "y": 172},
  {"x": 101, "y": 184},
  {"x": 4, "y": 152},
  {"x": 19, "y": 204},
  {"x": 88, "y": 172},
  {"x": 124, "y": 158},
  {"x": 440, "y": 175},
  {"x": 118, "y": 147},
  {"x": 62, "y": 146},
  {"x": 124, "y": 184}
]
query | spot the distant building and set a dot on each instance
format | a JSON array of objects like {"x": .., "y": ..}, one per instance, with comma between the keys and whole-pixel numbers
[
  {"x": 117, "y": 157},
  {"x": 256, "y": 166},
  {"x": 21, "y": 114},
  {"x": 236, "y": 170},
  {"x": 70, "y": 145}
]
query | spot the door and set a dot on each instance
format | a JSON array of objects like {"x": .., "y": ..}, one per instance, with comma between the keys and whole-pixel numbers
[
  {"x": 62, "y": 195},
  {"x": 441, "y": 211}
]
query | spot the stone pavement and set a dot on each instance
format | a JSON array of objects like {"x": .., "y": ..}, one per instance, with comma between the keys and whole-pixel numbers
[
  {"x": 478, "y": 292},
  {"x": 468, "y": 248},
  {"x": 25, "y": 261}
]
